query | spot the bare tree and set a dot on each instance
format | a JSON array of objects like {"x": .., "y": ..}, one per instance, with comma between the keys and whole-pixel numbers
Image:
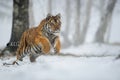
[
  {"x": 104, "y": 21},
  {"x": 66, "y": 32},
  {"x": 31, "y": 14},
  {"x": 19, "y": 24},
  {"x": 86, "y": 21},
  {"x": 77, "y": 22}
]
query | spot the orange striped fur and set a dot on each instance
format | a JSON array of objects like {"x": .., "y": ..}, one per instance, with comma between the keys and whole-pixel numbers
[{"x": 36, "y": 36}]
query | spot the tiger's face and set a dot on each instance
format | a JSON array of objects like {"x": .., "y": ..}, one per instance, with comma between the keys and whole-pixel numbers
[{"x": 53, "y": 24}]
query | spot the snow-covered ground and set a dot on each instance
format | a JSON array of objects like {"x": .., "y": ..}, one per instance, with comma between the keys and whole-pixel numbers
[
  {"x": 54, "y": 67},
  {"x": 63, "y": 68},
  {"x": 95, "y": 49}
]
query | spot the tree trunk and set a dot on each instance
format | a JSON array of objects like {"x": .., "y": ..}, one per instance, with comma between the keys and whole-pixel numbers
[
  {"x": 31, "y": 14},
  {"x": 19, "y": 24},
  {"x": 105, "y": 19},
  {"x": 86, "y": 21},
  {"x": 77, "y": 22},
  {"x": 66, "y": 42}
]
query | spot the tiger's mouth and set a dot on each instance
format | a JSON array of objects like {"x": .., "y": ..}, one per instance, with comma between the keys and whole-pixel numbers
[{"x": 57, "y": 32}]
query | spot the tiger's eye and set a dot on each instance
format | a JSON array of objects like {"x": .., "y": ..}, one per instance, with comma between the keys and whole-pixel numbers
[{"x": 57, "y": 21}]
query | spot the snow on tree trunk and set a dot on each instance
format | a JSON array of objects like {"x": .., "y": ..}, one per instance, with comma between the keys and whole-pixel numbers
[
  {"x": 19, "y": 24},
  {"x": 105, "y": 19}
]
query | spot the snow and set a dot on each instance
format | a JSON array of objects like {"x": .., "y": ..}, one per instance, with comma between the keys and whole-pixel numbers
[
  {"x": 62, "y": 68},
  {"x": 55, "y": 67},
  {"x": 94, "y": 50}
]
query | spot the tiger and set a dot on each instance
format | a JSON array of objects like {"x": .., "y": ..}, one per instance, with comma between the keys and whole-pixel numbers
[{"x": 41, "y": 39}]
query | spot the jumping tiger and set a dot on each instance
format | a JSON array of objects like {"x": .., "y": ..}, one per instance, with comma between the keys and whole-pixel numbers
[{"x": 39, "y": 40}]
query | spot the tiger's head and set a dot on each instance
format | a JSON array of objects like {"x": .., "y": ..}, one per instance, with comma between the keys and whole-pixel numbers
[{"x": 53, "y": 24}]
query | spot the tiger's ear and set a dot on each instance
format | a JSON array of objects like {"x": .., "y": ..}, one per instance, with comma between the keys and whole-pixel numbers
[
  {"x": 58, "y": 15},
  {"x": 48, "y": 16}
]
